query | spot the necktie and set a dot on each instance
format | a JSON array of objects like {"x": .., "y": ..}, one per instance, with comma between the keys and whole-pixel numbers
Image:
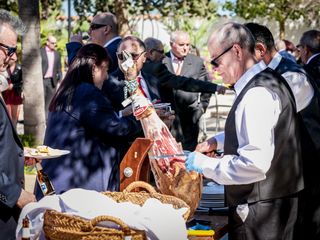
[
  {"x": 140, "y": 87},
  {"x": 179, "y": 66}
]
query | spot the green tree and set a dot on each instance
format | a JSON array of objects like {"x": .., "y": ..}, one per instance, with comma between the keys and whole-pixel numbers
[
  {"x": 278, "y": 10},
  {"x": 127, "y": 11}
]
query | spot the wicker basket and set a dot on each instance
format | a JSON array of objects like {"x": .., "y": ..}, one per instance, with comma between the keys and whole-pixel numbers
[
  {"x": 62, "y": 226},
  {"x": 140, "y": 197}
]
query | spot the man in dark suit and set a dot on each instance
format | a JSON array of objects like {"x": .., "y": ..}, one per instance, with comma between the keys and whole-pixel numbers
[
  {"x": 170, "y": 81},
  {"x": 189, "y": 106},
  {"x": 51, "y": 70},
  {"x": 309, "y": 48},
  {"x": 114, "y": 87},
  {"x": 103, "y": 31},
  {"x": 12, "y": 195}
]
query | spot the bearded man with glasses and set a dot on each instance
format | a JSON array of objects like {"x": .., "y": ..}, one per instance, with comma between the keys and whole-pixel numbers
[
  {"x": 103, "y": 30},
  {"x": 13, "y": 197}
]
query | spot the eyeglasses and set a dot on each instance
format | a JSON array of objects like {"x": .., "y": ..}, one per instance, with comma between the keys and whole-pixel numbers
[
  {"x": 94, "y": 26},
  {"x": 53, "y": 43},
  {"x": 214, "y": 61},
  {"x": 11, "y": 50},
  {"x": 135, "y": 56},
  {"x": 158, "y": 51}
]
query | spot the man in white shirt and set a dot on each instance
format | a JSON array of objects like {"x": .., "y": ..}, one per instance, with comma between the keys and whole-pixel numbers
[
  {"x": 307, "y": 100},
  {"x": 262, "y": 174}
]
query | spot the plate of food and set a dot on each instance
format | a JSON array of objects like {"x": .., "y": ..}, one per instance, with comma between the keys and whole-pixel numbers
[{"x": 44, "y": 152}]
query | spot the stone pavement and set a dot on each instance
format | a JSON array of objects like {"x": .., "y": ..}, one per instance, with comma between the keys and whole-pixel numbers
[{"x": 216, "y": 114}]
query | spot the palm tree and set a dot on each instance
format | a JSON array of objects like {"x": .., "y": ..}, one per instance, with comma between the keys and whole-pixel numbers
[{"x": 34, "y": 114}]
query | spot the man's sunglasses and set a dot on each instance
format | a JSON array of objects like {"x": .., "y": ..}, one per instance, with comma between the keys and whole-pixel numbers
[
  {"x": 94, "y": 26},
  {"x": 11, "y": 50},
  {"x": 214, "y": 61},
  {"x": 158, "y": 51},
  {"x": 135, "y": 56}
]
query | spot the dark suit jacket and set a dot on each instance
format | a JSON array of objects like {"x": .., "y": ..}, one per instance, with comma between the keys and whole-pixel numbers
[
  {"x": 192, "y": 67},
  {"x": 188, "y": 107},
  {"x": 112, "y": 51},
  {"x": 57, "y": 74},
  {"x": 313, "y": 69},
  {"x": 170, "y": 81},
  {"x": 11, "y": 173},
  {"x": 73, "y": 48},
  {"x": 92, "y": 131},
  {"x": 113, "y": 88}
]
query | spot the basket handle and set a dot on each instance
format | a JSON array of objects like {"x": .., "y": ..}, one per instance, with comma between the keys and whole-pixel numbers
[
  {"x": 119, "y": 222},
  {"x": 140, "y": 184}
]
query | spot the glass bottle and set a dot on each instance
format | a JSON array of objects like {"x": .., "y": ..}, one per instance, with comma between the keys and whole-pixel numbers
[
  {"x": 25, "y": 229},
  {"x": 44, "y": 181}
]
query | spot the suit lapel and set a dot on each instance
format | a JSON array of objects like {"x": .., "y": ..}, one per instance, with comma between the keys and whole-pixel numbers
[
  {"x": 167, "y": 61},
  {"x": 152, "y": 86},
  {"x": 187, "y": 65},
  {"x": 15, "y": 134}
]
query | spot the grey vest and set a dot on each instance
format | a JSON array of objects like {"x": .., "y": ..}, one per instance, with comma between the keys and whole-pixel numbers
[{"x": 285, "y": 174}]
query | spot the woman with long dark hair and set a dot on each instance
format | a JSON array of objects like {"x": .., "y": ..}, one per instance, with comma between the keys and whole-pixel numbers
[{"x": 82, "y": 120}]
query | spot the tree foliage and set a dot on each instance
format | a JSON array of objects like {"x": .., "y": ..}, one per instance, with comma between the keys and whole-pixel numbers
[
  {"x": 47, "y": 7},
  {"x": 127, "y": 11},
  {"x": 278, "y": 10}
]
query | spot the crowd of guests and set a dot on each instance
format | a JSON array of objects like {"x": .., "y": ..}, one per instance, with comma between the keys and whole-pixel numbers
[{"x": 271, "y": 142}]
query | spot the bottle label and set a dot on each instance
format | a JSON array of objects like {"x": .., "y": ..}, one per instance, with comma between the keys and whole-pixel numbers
[
  {"x": 44, "y": 188},
  {"x": 26, "y": 233}
]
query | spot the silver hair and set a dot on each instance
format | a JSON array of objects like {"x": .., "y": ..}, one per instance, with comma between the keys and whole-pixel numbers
[
  {"x": 152, "y": 43},
  {"x": 232, "y": 33},
  {"x": 311, "y": 39},
  {"x": 13, "y": 22},
  {"x": 174, "y": 35}
]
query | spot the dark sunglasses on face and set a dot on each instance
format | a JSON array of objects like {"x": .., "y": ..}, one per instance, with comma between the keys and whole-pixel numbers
[
  {"x": 11, "y": 50},
  {"x": 135, "y": 56},
  {"x": 158, "y": 51},
  {"x": 94, "y": 26},
  {"x": 214, "y": 61}
]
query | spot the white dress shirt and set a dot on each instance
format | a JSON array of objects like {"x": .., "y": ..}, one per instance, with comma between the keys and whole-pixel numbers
[
  {"x": 144, "y": 87},
  {"x": 256, "y": 117},
  {"x": 176, "y": 62},
  {"x": 298, "y": 82}
]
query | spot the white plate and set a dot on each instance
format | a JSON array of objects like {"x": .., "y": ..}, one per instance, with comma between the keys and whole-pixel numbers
[{"x": 53, "y": 153}]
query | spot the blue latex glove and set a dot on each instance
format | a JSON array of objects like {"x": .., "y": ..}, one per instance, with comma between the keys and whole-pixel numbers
[{"x": 196, "y": 161}]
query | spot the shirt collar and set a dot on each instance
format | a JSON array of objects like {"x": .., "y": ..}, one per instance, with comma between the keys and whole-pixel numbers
[
  {"x": 275, "y": 61},
  {"x": 248, "y": 75},
  {"x": 111, "y": 41},
  {"x": 174, "y": 58},
  {"x": 312, "y": 57},
  {"x": 48, "y": 49}
]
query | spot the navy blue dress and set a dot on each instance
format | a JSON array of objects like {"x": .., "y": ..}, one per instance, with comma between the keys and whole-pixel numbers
[{"x": 90, "y": 128}]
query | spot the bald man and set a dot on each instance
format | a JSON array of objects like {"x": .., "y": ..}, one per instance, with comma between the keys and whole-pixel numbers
[
  {"x": 51, "y": 70},
  {"x": 103, "y": 30}
]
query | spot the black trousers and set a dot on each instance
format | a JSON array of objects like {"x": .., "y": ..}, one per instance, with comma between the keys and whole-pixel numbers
[
  {"x": 49, "y": 91},
  {"x": 267, "y": 220}
]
